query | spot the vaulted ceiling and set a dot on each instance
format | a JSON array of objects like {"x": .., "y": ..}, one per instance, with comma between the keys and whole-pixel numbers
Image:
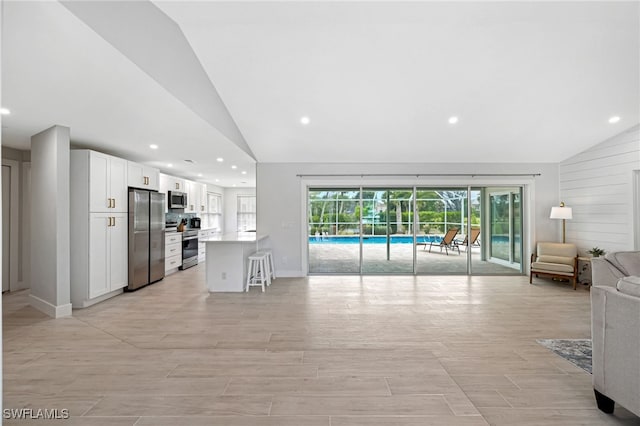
[{"x": 378, "y": 81}]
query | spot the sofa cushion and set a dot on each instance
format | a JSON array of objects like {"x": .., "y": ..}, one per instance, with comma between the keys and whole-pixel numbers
[
  {"x": 629, "y": 285},
  {"x": 552, "y": 267},
  {"x": 628, "y": 262}
]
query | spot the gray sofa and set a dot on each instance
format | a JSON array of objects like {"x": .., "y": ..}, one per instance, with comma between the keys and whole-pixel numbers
[{"x": 615, "y": 330}]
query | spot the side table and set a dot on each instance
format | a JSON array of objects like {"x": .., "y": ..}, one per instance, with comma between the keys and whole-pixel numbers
[{"x": 584, "y": 270}]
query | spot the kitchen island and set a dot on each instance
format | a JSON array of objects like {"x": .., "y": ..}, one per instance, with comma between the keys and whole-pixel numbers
[{"x": 226, "y": 266}]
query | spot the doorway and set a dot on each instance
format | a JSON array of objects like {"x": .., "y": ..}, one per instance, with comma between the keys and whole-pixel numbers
[{"x": 10, "y": 225}]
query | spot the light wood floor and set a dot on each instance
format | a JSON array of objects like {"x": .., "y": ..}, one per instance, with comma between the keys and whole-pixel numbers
[{"x": 325, "y": 351}]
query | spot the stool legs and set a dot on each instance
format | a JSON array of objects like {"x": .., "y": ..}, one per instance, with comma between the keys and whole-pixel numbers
[{"x": 257, "y": 272}]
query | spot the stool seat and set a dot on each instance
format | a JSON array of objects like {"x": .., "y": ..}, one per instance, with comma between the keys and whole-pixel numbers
[{"x": 257, "y": 271}]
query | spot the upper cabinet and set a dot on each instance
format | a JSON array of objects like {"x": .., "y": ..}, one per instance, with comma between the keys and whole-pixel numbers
[
  {"x": 141, "y": 176},
  {"x": 194, "y": 196},
  {"x": 103, "y": 180},
  {"x": 170, "y": 183},
  {"x": 203, "y": 199}
]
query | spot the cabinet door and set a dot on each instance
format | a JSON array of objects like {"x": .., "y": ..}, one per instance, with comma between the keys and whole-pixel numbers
[
  {"x": 203, "y": 198},
  {"x": 135, "y": 175},
  {"x": 191, "y": 197},
  {"x": 118, "y": 184},
  {"x": 153, "y": 178},
  {"x": 99, "y": 196},
  {"x": 118, "y": 252},
  {"x": 98, "y": 254}
]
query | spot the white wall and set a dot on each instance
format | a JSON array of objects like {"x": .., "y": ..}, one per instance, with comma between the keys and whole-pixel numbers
[
  {"x": 230, "y": 206},
  {"x": 598, "y": 184},
  {"x": 281, "y": 197},
  {"x": 50, "y": 239}
]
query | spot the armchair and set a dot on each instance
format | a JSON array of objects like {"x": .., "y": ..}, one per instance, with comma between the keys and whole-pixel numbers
[
  {"x": 615, "y": 330},
  {"x": 558, "y": 260}
]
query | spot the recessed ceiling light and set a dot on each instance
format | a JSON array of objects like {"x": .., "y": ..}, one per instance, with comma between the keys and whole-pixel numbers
[
  {"x": 219, "y": 159},
  {"x": 233, "y": 185},
  {"x": 244, "y": 172},
  {"x": 453, "y": 120},
  {"x": 217, "y": 180},
  {"x": 153, "y": 146},
  {"x": 614, "y": 119},
  {"x": 5, "y": 111},
  {"x": 199, "y": 174},
  {"x": 234, "y": 167},
  {"x": 305, "y": 120},
  {"x": 169, "y": 165}
]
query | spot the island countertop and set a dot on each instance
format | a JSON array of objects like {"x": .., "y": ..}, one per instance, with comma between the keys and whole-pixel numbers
[{"x": 234, "y": 237}]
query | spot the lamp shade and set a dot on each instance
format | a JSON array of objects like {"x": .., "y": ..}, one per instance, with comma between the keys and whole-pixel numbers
[{"x": 561, "y": 213}]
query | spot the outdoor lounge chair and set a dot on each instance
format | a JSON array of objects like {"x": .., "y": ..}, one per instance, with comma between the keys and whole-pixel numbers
[
  {"x": 447, "y": 241},
  {"x": 475, "y": 233}
]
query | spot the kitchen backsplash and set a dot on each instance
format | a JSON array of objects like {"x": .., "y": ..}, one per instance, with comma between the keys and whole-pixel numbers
[{"x": 177, "y": 217}]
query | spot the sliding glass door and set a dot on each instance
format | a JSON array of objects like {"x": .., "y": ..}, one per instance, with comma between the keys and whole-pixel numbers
[
  {"x": 387, "y": 230},
  {"x": 420, "y": 230}
]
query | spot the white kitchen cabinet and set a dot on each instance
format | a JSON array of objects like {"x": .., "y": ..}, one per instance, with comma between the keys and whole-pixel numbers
[
  {"x": 141, "y": 176},
  {"x": 107, "y": 253},
  {"x": 172, "y": 252},
  {"x": 203, "y": 199},
  {"x": 105, "y": 177},
  {"x": 193, "y": 196},
  {"x": 99, "y": 228}
]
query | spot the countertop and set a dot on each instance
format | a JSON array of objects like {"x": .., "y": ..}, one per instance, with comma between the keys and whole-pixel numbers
[{"x": 233, "y": 237}]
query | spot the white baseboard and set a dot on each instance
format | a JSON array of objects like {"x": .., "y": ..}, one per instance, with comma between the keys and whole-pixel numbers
[
  {"x": 289, "y": 274},
  {"x": 52, "y": 310}
]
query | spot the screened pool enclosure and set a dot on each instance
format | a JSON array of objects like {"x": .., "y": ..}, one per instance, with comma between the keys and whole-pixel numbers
[{"x": 415, "y": 230}]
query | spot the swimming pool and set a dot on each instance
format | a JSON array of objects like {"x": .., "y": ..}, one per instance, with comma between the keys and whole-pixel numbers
[{"x": 370, "y": 239}]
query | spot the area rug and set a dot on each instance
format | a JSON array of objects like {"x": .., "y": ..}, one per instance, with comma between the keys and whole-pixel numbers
[{"x": 576, "y": 351}]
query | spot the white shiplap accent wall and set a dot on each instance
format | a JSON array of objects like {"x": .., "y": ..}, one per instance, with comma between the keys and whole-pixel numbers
[{"x": 599, "y": 185}]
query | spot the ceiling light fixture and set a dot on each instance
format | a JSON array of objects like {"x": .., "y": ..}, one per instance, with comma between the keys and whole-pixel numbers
[
  {"x": 234, "y": 185},
  {"x": 614, "y": 119},
  {"x": 199, "y": 174},
  {"x": 5, "y": 111},
  {"x": 234, "y": 167},
  {"x": 219, "y": 159},
  {"x": 305, "y": 120},
  {"x": 169, "y": 165},
  {"x": 453, "y": 120},
  {"x": 217, "y": 180},
  {"x": 153, "y": 146},
  {"x": 244, "y": 172}
]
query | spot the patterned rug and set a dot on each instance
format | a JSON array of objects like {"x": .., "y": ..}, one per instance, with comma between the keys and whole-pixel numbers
[{"x": 576, "y": 351}]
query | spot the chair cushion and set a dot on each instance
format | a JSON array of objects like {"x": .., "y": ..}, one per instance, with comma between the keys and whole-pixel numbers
[
  {"x": 557, "y": 259},
  {"x": 552, "y": 267},
  {"x": 557, "y": 249},
  {"x": 628, "y": 262}
]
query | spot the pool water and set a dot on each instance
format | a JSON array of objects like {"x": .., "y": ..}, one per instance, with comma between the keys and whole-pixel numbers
[{"x": 378, "y": 239}]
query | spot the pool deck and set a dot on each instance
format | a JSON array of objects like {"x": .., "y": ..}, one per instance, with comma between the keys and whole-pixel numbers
[{"x": 344, "y": 258}]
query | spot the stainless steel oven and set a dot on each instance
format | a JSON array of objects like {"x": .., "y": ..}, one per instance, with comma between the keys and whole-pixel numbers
[{"x": 189, "y": 249}]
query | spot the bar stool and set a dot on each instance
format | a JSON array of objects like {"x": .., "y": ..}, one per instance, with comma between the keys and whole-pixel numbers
[
  {"x": 257, "y": 271},
  {"x": 271, "y": 270}
]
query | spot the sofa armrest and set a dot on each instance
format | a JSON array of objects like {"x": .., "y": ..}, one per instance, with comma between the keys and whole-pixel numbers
[
  {"x": 603, "y": 273},
  {"x": 615, "y": 330}
]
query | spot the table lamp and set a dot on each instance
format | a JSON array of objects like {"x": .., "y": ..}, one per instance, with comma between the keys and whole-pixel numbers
[{"x": 563, "y": 213}]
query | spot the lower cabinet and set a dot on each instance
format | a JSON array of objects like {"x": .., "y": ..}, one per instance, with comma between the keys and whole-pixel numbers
[
  {"x": 172, "y": 252},
  {"x": 99, "y": 266}
]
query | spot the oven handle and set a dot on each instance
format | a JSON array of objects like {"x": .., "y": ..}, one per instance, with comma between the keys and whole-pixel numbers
[{"x": 190, "y": 238}]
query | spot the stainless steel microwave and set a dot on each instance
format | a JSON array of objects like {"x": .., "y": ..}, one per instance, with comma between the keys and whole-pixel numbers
[{"x": 177, "y": 200}]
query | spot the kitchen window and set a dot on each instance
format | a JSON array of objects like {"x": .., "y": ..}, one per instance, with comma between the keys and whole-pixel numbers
[{"x": 246, "y": 213}]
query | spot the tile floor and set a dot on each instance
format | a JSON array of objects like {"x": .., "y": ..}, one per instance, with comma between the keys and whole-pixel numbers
[{"x": 317, "y": 351}]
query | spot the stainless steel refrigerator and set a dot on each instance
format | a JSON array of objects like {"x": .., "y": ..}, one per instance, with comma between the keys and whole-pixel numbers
[{"x": 146, "y": 237}]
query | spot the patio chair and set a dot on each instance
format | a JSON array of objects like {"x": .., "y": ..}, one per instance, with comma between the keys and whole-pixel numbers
[
  {"x": 447, "y": 242},
  {"x": 475, "y": 233}
]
